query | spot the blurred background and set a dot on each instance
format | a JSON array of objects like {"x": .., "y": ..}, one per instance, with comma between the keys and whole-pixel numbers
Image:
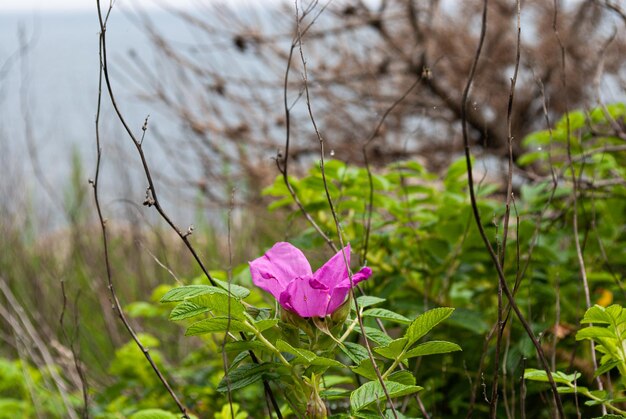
[{"x": 213, "y": 80}]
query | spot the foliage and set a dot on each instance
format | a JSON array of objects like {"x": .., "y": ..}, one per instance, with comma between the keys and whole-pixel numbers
[
  {"x": 294, "y": 352},
  {"x": 415, "y": 230},
  {"x": 610, "y": 340}
]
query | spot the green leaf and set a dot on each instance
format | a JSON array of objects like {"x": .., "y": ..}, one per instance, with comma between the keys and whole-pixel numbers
[
  {"x": 558, "y": 376},
  {"x": 189, "y": 291},
  {"x": 187, "y": 309},
  {"x": 355, "y": 352},
  {"x": 245, "y": 375},
  {"x": 365, "y": 368},
  {"x": 425, "y": 322},
  {"x": 263, "y": 325},
  {"x": 374, "y": 335},
  {"x": 372, "y": 392},
  {"x": 432, "y": 348},
  {"x": 539, "y": 138},
  {"x": 402, "y": 377},
  {"x": 393, "y": 349},
  {"x": 301, "y": 354},
  {"x": 596, "y": 314},
  {"x": 322, "y": 361},
  {"x": 221, "y": 304},
  {"x": 606, "y": 367},
  {"x": 367, "y": 300},
  {"x": 571, "y": 390},
  {"x": 593, "y": 332},
  {"x": 385, "y": 314},
  {"x": 236, "y": 290},
  {"x": 216, "y": 325},
  {"x": 304, "y": 356}
]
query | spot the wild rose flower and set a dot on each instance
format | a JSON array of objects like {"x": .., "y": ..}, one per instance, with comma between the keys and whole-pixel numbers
[{"x": 285, "y": 273}]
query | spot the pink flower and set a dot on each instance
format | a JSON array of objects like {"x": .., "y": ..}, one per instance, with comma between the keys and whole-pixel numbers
[{"x": 285, "y": 273}]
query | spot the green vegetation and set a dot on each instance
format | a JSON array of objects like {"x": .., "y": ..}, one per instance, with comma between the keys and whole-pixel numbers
[{"x": 415, "y": 231}]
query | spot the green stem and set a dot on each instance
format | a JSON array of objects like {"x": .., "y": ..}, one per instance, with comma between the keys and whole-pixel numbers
[
  {"x": 588, "y": 394},
  {"x": 350, "y": 328},
  {"x": 271, "y": 347},
  {"x": 393, "y": 366}
]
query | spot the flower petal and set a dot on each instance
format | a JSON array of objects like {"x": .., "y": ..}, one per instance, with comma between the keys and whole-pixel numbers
[
  {"x": 338, "y": 296},
  {"x": 362, "y": 275},
  {"x": 278, "y": 267},
  {"x": 335, "y": 270},
  {"x": 306, "y": 296},
  {"x": 340, "y": 292}
]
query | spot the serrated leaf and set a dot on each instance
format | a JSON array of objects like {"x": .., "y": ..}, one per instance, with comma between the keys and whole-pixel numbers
[
  {"x": 372, "y": 392},
  {"x": 596, "y": 314},
  {"x": 304, "y": 356},
  {"x": 263, "y": 325},
  {"x": 355, "y": 352},
  {"x": 402, "y": 377},
  {"x": 217, "y": 325},
  {"x": 187, "y": 309},
  {"x": 374, "y": 335},
  {"x": 558, "y": 377},
  {"x": 606, "y": 367},
  {"x": 221, "y": 304},
  {"x": 432, "y": 348},
  {"x": 393, "y": 349},
  {"x": 244, "y": 376},
  {"x": 368, "y": 300},
  {"x": 235, "y": 290},
  {"x": 425, "y": 322},
  {"x": 593, "y": 332},
  {"x": 301, "y": 354},
  {"x": 365, "y": 368},
  {"x": 385, "y": 314},
  {"x": 600, "y": 394},
  {"x": 321, "y": 361},
  {"x": 189, "y": 291},
  {"x": 335, "y": 394}
]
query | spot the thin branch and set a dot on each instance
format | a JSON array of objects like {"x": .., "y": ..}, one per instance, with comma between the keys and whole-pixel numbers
[
  {"x": 336, "y": 219},
  {"x": 116, "y": 303},
  {"x": 152, "y": 197},
  {"x": 507, "y": 213},
  {"x": 579, "y": 252},
  {"x": 477, "y": 217},
  {"x": 75, "y": 352}
]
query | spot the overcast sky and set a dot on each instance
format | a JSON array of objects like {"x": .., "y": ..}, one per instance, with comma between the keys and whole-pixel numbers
[{"x": 65, "y": 5}]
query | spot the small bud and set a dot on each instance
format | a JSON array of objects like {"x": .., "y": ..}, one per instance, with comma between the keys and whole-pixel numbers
[
  {"x": 315, "y": 406},
  {"x": 340, "y": 315}
]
